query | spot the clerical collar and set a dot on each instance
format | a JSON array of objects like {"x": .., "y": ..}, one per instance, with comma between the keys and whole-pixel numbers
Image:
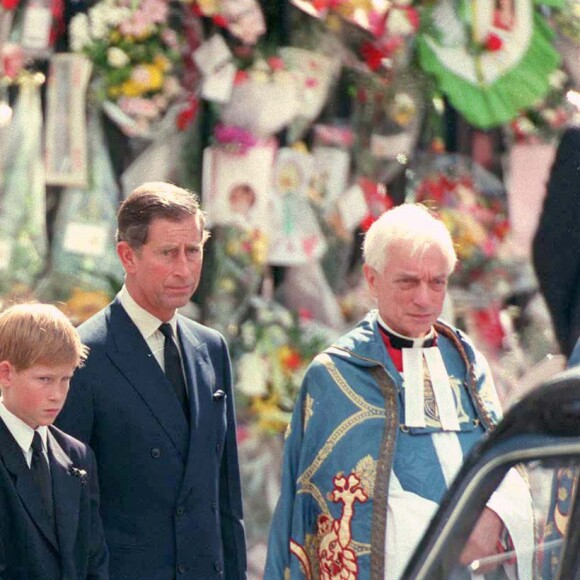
[{"x": 400, "y": 341}]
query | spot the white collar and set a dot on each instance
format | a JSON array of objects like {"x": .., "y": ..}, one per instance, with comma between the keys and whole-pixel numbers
[
  {"x": 417, "y": 342},
  {"x": 22, "y": 432},
  {"x": 146, "y": 323}
]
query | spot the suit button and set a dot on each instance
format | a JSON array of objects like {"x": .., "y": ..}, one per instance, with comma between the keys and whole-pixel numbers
[
  {"x": 181, "y": 569},
  {"x": 218, "y": 447},
  {"x": 217, "y": 566},
  {"x": 180, "y": 510},
  {"x": 213, "y": 506},
  {"x": 155, "y": 452}
]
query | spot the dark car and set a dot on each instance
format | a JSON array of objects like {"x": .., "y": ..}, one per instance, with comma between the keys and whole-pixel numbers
[{"x": 540, "y": 436}]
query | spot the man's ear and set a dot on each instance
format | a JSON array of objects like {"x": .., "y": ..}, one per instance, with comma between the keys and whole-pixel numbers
[
  {"x": 127, "y": 256},
  {"x": 6, "y": 373},
  {"x": 370, "y": 276}
]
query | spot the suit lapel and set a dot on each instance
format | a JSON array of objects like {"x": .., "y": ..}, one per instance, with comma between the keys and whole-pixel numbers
[
  {"x": 194, "y": 355},
  {"x": 66, "y": 490},
  {"x": 200, "y": 376},
  {"x": 129, "y": 352},
  {"x": 16, "y": 464}
]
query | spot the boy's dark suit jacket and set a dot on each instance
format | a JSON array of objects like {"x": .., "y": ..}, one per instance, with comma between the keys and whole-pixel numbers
[
  {"x": 170, "y": 495},
  {"x": 29, "y": 547}
]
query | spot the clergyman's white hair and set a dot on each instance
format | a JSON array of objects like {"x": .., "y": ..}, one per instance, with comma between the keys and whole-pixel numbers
[{"x": 409, "y": 222}]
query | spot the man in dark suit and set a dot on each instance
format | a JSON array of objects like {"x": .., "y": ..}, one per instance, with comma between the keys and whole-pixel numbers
[
  {"x": 159, "y": 412},
  {"x": 556, "y": 244},
  {"x": 50, "y": 528}
]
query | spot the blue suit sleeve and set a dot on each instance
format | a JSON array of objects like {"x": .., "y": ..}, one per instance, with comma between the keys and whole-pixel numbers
[{"x": 231, "y": 511}]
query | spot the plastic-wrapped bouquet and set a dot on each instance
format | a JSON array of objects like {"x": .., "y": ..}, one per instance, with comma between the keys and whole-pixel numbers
[{"x": 135, "y": 52}]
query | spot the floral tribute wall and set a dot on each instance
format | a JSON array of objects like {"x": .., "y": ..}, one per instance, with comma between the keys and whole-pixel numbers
[{"x": 298, "y": 122}]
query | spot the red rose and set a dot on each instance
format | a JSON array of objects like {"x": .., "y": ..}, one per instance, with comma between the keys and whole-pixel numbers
[
  {"x": 187, "y": 115},
  {"x": 220, "y": 21},
  {"x": 10, "y": 4},
  {"x": 493, "y": 43},
  {"x": 372, "y": 55}
]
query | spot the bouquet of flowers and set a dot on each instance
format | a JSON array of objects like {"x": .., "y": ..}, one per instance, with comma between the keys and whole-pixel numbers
[
  {"x": 471, "y": 203},
  {"x": 272, "y": 352},
  {"x": 135, "y": 52},
  {"x": 547, "y": 120}
]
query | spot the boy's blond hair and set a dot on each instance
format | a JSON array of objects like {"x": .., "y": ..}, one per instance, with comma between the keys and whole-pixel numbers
[{"x": 35, "y": 333}]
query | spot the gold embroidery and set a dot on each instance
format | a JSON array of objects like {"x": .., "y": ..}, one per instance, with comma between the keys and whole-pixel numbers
[
  {"x": 366, "y": 469},
  {"x": 367, "y": 412},
  {"x": 308, "y": 410}
]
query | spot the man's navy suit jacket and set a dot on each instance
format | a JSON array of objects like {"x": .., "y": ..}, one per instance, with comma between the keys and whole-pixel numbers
[
  {"x": 170, "y": 494},
  {"x": 30, "y": 547}
]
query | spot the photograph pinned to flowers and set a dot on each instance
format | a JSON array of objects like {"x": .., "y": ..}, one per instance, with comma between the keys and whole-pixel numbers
[
  {"x": 236, "y": 177},
  {"x": 136, "y": 50},
  {"x": 273, "y": 348}
]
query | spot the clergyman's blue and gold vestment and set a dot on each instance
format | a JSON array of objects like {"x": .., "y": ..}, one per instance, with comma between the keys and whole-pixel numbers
[{"x": 347, "y": 441}]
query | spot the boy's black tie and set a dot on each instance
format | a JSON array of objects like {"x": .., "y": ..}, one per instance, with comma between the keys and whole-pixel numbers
[
  {"x": 41, "y": 475},
  {"x": 173, "y": 368}
]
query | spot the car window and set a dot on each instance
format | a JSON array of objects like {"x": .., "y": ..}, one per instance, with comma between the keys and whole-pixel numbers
[{"x": 536, "y": 554}]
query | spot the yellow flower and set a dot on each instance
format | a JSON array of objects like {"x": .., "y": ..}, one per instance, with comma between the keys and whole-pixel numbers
[
  {"x": 162, "y": 62},
  {"x": 209, "y": 7},
  {"x": 146, "y": 78},
  {"x": 260, "y": 250}
]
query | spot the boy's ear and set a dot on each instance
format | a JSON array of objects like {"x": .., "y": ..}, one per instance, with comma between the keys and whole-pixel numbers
[{"x": 6, "y": 369}]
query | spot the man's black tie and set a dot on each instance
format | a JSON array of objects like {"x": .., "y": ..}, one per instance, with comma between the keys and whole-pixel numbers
[
  {"x": 173, "y": 368},
  {"x": 41, "y": 475}
]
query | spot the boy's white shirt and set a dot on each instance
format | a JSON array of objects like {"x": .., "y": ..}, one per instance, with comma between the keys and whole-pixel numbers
[{"x": 22, "y": 432}]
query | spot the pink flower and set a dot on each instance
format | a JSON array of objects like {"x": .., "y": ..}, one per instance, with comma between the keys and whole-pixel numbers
[
  {"x": 240, "y": 138},
  {"x": 139, "y": 107}
]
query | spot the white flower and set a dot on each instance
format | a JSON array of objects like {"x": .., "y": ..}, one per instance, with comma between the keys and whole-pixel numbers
[
  {"x": 285, "y": 318},
  {"x": 79, "y": 32},
  {"x": 248, "y": 335},
  {"x": 99, "y": 21},
  {"x": 549, "y": 115},
  {"x": 252, "y": 375},
  {"x": 558, "y": 79},
  {"x": 398, "y": 23},
  {"x": 117, "y": 57},
  {"x": 116, "y": 15}
]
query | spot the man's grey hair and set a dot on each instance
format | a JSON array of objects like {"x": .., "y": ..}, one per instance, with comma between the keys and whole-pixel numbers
[{"x": 412, "y": 223}]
